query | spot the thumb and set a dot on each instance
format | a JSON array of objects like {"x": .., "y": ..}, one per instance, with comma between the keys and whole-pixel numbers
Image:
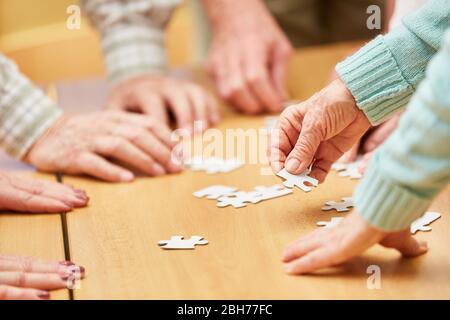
[
  {"x": 406, "y": 244},
  {"x": 305, "y": 148}
]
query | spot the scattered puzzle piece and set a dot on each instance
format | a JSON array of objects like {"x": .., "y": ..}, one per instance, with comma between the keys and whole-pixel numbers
[
  {"x": 239, "y": 199},
  {"x": 422, "y": 224},
  {"x": 330, "y": 224},
  {"x": 178, "y": 243},
  {"x": 214, "y": 192},
  {"x": 299, "y": 180},
  {"x": 213, "y": 165},
  {"x": 348, "y": 169},
  {"x": 273, "y": 191},
  {"x": 342, "y": 206}
]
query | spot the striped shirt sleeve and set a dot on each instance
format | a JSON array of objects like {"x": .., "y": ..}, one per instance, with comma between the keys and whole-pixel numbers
[
  {"x": 132, "y": 34},
  {"x": 25, "y": 111}
]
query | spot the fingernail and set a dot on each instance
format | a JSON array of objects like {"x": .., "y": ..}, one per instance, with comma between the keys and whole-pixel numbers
[
  {"x": 66, "y": 263},
  {"x": 81, "y": 194},
  {"x": 292, "y": 165},
  {"x": 126, "y": 176},
  {"x": 65, "y": 276},
  {"x": 44, "y": 295}
]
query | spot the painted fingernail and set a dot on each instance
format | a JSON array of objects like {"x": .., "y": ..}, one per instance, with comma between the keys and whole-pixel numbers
[
  {"x": 44, "y": 295},
  {"x": 126, "y": 176},
  {"x": 66, "y": 263},
  {"x": 292, "y": 164}
]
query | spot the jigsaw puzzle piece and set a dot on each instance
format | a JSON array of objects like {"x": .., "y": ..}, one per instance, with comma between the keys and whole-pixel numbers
[
  {"x": 214, "y": 192},
  {"x": 422, "y": 224},
  {"x": 342, "y": 206},
  {"x": 330, "y": 224},
  {"x": 298, "y": 180},
  {"x": 239, "y": 199},
  {"x": 178, "y": 242},
  {"x": 272, "y": 191}
]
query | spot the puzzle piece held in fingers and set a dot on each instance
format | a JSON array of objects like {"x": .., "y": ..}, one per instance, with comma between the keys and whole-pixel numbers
[
  {"x": 348, "y": 169},
  {"x": 342, "y": 206},
  {"x": 422, "y": 224},
  {"x": 298, "y": 180},
  {"x": 330, "y": 224},
  {"x": 179, "y": 243}
]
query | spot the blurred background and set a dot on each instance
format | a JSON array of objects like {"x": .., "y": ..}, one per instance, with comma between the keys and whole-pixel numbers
[{"x": 34, "y": 35}]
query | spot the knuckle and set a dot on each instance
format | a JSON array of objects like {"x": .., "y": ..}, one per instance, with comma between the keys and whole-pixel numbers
[{"x": 19, "y": 279}]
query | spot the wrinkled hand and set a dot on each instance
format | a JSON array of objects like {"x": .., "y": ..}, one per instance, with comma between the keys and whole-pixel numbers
[
  {"x": 374, "y": 138},
  {"x": 24, "y": 278},
  {"x": 317, "y": 131},
  {"x": 84, "y": 144},
  {"x": 249, "y": 57},
  {"x": 155, "y": 95},
  {"x": 38, "y": 196},
  {"x": 327, "y": 247}
]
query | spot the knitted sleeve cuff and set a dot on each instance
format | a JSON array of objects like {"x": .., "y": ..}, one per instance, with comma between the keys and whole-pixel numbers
[{"x": 375, "y": 80}]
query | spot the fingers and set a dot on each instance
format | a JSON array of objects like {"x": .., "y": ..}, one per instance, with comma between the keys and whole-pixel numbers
[
  {"x": 182, "y": 110},
  {"x": 13, "y": 293},
  {"x": 351, "y": 154},
  {"x": 257, "y": 75},
  {"x": 405, "y": 243},
  {"x": 279, "y": 65},
  {"x": 306, "y": 146},
  {"x": 29, "y": 264},
  {"x": 23, "y": 201},
  {"x": 94, "y": 165},
  {"x": 233, "y": 86},
  {"x": 380, "y": 134},
  {"x": 153, "y": 105},
  {"x": 314, "y": 260},
  {"x": 57, "y": 191},
  {"x": 204, "y": 106},
  {"x": 42, "y": 281},
  {"x": 123, "y": 150},
  {"x": 155, "y": 149}
]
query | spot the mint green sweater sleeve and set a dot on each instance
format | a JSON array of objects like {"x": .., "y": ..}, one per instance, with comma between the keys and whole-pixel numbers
[
  {"x": 383, "y": 75},
  {"x": 413, "y": 165}
]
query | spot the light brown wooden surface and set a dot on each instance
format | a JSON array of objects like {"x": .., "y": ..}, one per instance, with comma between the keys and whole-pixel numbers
[
  {"x": 35, "y": 235},
  {"x": 115, "y": 237}
]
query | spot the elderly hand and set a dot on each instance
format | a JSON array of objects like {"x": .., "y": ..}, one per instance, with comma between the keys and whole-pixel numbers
[
  {"x": 24, "y": 278},
  {"x": 30, "y": 195},
  {"x": 249, "y": 56},
  {"x": 327, "y": 247},
  {"x": 317, "y": 131},
  {"x": 372, "y": 140},
  {"x": 84, "y": 144},
  {"x": 155, "y": 95}
]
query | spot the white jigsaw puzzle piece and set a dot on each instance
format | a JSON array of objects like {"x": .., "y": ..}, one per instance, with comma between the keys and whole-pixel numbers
[
  {"x": 330, "y": 224},
  {"x": 342, "y": 206},
  {"x": 213, "y": 165},
  {"x": 273, "y": 191},
  {"x": 214, "y": 192},
  {"x": 348, "y": 169},
  {"x": 239, "y": 199},
  {"x": 298, "y": 180},
  {"x": 422, "y": 224},
  {"x": 179, "y": 243}
]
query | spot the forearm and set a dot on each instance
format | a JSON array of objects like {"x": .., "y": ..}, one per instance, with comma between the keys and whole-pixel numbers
[
  {"x": 384, "y": 74},
  {"x": 414, "y": 164},
  {"x": 132, "y": 34},
  {"x": 25, "y": 111}
]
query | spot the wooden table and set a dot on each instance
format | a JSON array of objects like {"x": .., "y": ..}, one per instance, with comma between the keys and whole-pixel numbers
[{"x": 115, "y": 237}]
